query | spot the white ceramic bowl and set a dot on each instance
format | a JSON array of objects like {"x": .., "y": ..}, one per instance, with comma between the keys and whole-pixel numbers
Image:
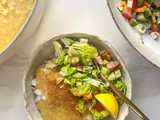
[
  {"x": 144, "y": 44},
  {"x": 47, "y": 49},
  {"x": 26, "y": 31}
]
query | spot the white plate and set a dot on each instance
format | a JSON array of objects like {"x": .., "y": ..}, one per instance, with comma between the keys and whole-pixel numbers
[{"x": 144, "y": 44}]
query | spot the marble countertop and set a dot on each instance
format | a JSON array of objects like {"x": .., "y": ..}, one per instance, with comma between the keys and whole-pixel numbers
[{"x": 87, "y": 16}]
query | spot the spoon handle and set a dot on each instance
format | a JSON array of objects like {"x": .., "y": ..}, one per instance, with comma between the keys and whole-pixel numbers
[
  {"x": 122, "y": 96},
  {"x": 125, "y": 99}
]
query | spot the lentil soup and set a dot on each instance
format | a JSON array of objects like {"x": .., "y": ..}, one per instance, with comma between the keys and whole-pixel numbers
[{"x": 13, "y": 14}]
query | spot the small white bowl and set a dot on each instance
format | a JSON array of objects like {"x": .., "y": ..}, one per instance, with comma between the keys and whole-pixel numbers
[
  {"x": 26, "y": 31},
  {"x": 47, "y": 49}
]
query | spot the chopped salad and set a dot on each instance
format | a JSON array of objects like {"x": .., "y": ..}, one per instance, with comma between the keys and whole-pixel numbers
[
  {"x": 143, "y": 15},
  {"x": 74, "y": 61}
]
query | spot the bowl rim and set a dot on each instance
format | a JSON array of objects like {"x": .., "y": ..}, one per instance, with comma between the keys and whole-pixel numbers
[
  {"x": 143, "y": 54},
  {"x": 33, "y": 55},
  {"x": 21, "y": 29}
]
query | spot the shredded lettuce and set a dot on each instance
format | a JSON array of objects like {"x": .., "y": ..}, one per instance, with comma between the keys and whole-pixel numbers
[
  {"x": 71, "y": 70},
  {"x": 73, "y": 52},
  {"x": 79, "y": 91},
  {"x": 67, "y": 41},
  {"x": 121, "y": 86},
  {"x": 59, "y": 60},
  {"x": 91, "y": 81},
  {"x": 58, "y": 48},
  {"x": 67, "y": 81},
  {"x": 73, "y": 81},
  {"x": 99, "y": 115},
  {"x": 66, "y": 60},
  {"x": 68, "y": 70},
  {"x": 80, "y": 106},
  {"x": 80, "y": 45},
  {"x": 79, "y": 75},
  {"x": 87, "y": 69},
  {"x": 88, "y": 52},
  {"x": 95, "y": 73}
]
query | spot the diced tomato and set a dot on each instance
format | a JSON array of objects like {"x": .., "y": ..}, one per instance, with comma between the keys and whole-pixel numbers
[
  {"x": 88, "y": 96},
  {"x": 109, "y": 57},
  {"x": 123, "y": 4},
  {"x": 151, "y": 31},
  {"x": 99, "y": 60},
  {"x": 101, "y": 56},
  {"x": 147, "y": 4},
  {"x": 154, "y": 19},
  {"x": 158, "y": 26},
  {"x": 134, "y": 4},
  {"x": 75, "y": 60},
  {"x": 154, "y": 27},
  {"x": 129, "y": 20},
  {"x": 127, "y": 13},
  {"x": 141, "y": 9},
  {"x": 79, "y": 68},
  {"x": 98, "y": 107},
  {"x": 113, "y": 65}
]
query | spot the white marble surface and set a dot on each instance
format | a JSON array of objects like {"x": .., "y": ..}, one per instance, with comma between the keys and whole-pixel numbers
[{"x": 87, "y": 16}]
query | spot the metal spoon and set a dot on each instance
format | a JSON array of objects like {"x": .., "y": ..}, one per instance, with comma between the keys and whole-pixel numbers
[{"x": 122, "y": 96}]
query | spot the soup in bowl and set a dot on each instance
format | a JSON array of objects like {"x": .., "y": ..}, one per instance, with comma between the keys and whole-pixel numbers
[{"x": 18, "y": 20}]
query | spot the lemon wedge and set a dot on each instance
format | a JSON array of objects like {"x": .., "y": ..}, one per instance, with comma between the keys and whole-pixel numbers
[{"x": 109, "y": 102}]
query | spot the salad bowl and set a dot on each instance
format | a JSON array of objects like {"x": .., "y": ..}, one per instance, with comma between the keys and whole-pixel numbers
[
  {"x": 144, "y": 44},
  {"x": 44, "y": 51}
]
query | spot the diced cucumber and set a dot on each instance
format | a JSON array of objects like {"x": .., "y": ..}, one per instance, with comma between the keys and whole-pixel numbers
[
  {"x": 105, "y": 71},
  {"x": 133, "y": 22},
  {"x": 140, "y": 28},
  {"x": 141, "y": 18},
  {"x": 158, "y": 20},
  {"x": 140, "y": 3},
  {"x": 107, "y": 76},
  {"x": 156, "y": 13},
  {"x": 154, "y": 35},
  {"x": 117, "y": 73},
  {"x": 147, "y": 13},
  {"x": 120, "y": 9},
  {"x": 129, "y": 3},
  {"x": 111, "y": 76},
  {"x": 147, "y": 25}
]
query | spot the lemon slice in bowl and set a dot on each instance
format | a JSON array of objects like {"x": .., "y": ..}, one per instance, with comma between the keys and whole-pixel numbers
[{"x": 109, "y": 102}]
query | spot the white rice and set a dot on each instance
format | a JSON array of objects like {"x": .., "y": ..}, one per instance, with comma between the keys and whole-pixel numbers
[
  {"x": 37, "y": 92},
  {"x": 33, "y": 82},
  {"x": 44, "y": 69},
  {"x": 83, "y": 40},
  {"x": 39, "y": 95}
]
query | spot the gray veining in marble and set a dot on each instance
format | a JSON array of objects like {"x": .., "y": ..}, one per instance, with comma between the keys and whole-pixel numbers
[{"x": 88, "y": 16}]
